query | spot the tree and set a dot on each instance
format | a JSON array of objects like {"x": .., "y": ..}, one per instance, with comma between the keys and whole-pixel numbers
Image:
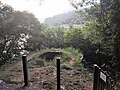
[
  {"x": 53, "y": 37},
  {"x": 106, "y": 14},
  {"x": 15, "y": 28},
  {"x": 110, "y": 18}
]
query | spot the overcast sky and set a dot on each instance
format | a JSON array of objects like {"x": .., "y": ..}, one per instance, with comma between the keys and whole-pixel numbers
[{"x": 48, "y": 8}]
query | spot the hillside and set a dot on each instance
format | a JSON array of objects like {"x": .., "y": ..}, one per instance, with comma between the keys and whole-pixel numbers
[
  {"x": 65, "y": 18},
  {"x": 42, "y": 72}
]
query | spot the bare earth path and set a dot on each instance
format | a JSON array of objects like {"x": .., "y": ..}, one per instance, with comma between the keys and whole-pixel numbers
[
  {"x": 16, "y": 77},
  {"x": 43, "y": 78},
  {"x": 8, "y": 69}
]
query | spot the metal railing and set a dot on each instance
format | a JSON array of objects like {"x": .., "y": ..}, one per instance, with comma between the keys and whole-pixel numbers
[{"x": 102, "y": 81}]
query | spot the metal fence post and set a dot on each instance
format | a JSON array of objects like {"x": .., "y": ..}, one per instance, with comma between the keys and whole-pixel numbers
[
  {"x": 25, "y": 69},
  {"x": 58, "y": 73},
  {"x": 96, "y": 75}
]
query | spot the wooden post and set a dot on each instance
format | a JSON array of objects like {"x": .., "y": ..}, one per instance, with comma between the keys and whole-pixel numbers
[
  {"x": 25, "y": 69},
  {"x": 96, "y": 77},
  {"x": 58, "y": 73}
]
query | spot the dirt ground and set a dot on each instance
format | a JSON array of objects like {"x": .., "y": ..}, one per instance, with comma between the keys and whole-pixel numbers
[{"x": 43, "y": 78}]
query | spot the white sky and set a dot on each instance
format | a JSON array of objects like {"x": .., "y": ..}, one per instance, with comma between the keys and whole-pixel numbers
[{"x": 48, "y": 8}]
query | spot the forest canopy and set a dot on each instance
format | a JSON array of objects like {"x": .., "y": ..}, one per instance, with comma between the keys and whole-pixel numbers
[{"x": 98, "y": 38}]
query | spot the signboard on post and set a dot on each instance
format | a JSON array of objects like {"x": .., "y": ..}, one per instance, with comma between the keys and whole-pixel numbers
[{"x": 103, "y": 76}]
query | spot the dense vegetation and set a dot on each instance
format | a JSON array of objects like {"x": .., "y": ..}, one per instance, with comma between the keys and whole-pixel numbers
[
  {"x": 98, "y": 39},
  {"x": 106, "y": 17},
  {"x": 15, "y": 27}
]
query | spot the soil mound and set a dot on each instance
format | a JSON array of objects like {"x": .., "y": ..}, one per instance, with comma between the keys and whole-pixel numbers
[{"x": 50, "y": 55}]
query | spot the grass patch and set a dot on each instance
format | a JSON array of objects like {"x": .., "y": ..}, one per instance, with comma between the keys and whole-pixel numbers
[
  {"x": 50, "y": 63},
  {"x": 72, "y": 50},
  {"x": 65, "y": 66}
]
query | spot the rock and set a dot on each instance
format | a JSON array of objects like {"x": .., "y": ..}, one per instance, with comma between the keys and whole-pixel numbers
[
  {"x": 47, "y": 84},
  {"x": 1, "y": 81},
  {"x": 77, "y": 82},
  {"x": 76, "y": 72},
  {"x": 62, "y": 88},
  {"x": 84, "y": 81},
  {"x": 64, "y": 66}
]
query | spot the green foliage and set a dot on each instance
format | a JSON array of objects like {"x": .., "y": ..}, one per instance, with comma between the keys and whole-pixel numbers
[
  {"x": 73, "y": 36},
  {"x": 103, "y": 29},
  {"x": 78, "y": 66},
  {"x": 99, "y": 33},
  {"x": 50, "y": 63},
  {"x": 82, "y": 38},
  {"x": 72, "y": 50},
  {"x": 77, "y": 55},
  {"x": 15, "y": 29},
  {"x": 53, "y": 37},
  {"x": 112, "y": 38},
  {"x": 64, "y": 56},
  {"x": 66, "y": 66}
]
